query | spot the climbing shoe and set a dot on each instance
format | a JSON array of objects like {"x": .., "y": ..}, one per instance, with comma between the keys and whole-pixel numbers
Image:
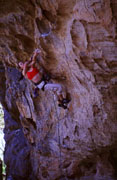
[
  {"x": 63, "y": 103},
  {"x": 63, "y": 106}
]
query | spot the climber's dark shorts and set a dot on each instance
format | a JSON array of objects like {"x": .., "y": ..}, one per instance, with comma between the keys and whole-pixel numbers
[{"x": 41, "y": 84}]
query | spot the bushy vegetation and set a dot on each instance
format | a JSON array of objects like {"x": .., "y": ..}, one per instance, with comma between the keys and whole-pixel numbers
[
  {"x": 1, "y": 117},
  {"x": 2, "y": 142}
]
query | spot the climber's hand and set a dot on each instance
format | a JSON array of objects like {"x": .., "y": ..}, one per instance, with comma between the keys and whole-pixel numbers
[
  {"x": 35, "y": 54},
  {"x": 37, "y": 51}
]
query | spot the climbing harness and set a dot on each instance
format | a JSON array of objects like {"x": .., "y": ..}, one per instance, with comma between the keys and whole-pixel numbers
[
  {"x": 45, "y": 79},
  {"x": 41, "y": 85}
]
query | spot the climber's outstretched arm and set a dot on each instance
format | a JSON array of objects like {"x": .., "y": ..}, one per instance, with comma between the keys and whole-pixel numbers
[
  {"x": 39, "y": 64},
  {"x": 33, "y": 61}
]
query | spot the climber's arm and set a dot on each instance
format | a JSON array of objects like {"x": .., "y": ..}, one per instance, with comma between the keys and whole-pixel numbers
[
  {"x": 36, "y": 61},
  {"x": 25, "y": 69},
  {"x": 34, "y": 58}
]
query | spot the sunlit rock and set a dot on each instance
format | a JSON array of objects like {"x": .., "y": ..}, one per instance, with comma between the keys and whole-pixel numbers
[{"x": 78, "y": 44}]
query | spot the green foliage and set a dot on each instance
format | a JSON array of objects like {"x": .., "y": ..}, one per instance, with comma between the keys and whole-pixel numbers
[
  {"x": 2, "y": 142},
  {"x": 1, "y": 118},
  {"x": 3, "y": 168}
]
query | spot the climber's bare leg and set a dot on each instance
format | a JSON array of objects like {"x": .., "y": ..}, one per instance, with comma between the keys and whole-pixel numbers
[
  {"x": 57, "y": 89},
  {"x": 60, "y": 92}
]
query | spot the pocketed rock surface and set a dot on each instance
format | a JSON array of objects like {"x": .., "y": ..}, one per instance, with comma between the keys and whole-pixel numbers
[{"x": 78, "y": 44}]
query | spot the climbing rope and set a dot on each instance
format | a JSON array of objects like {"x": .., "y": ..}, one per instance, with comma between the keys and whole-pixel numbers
[{"x": 59, "y": 139}]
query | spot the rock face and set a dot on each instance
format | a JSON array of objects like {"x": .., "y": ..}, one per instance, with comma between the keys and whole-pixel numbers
[{"x": 78, "y": 43}]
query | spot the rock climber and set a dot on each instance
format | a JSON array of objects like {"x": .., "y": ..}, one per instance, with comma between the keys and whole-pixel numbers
[{"x": 40, "y": 78}]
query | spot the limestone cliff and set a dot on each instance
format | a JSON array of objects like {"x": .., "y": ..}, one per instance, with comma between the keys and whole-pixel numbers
[{"x": 78, "y": 42}]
